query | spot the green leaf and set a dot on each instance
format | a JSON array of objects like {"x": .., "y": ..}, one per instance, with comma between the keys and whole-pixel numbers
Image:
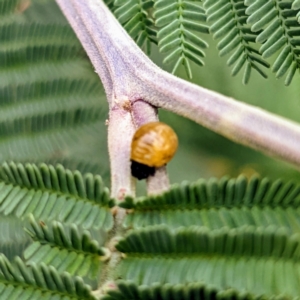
[
  {"x": 229, "y": 23},
  {"x": 277, "y": 20},
  {"x": 177, "y": 20},
  {"x": 219, "y": 203},
  {"x": 55, "y": 193},
  {"x": 225, "y": 259},
  {"x": 44, "y": 78},
  {"x": 135, "y": 17},
  {"x": 39, "y": 282},
  {"x": 237, "y": 238},
  {"x": 63, "y": 247}
]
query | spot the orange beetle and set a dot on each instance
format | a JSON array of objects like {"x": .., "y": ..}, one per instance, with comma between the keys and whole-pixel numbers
[{"x": 153, "y": 145}]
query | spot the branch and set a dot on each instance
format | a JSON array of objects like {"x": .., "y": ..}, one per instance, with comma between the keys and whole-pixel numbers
[
  {"x": 86, "y": 39},
  {"x": 120, "y": 132},
  {"x": 135, "y": 77}
]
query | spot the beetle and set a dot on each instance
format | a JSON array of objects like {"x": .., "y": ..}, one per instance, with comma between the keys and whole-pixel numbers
[{"x": 153, "y": 146}]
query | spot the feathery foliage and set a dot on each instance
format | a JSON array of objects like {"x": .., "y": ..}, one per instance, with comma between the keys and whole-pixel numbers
[
  {"x": 228, "y": 239},
  {"x": 230, "y": 23},
  {"x": 177, "y": 21},
  {"x": 280, "y": 34},
  {"x": 217, "y": 203},
  {"x": 129, "y": 290},
  {"x": 65, "y": 248},
  {"x": 227, "y": 259},
  {"x": 44, "y": 78},
  {"x": 18, "y": 281},
  {"x": 134, "y": 16},
  {"x": 274, "y": 24},
  {"x": 54, "y": 193},
  {"x": 195, "y": 240}
]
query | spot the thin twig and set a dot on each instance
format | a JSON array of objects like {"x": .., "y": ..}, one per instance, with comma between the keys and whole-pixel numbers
[{"x": 120, "y": 132}]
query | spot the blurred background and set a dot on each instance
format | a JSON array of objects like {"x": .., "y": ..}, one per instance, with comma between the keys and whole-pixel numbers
[{"x": 54, "y": 108}]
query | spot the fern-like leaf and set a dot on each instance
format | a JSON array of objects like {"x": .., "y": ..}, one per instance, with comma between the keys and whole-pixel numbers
[
  {"x": 229, "y": 23},
  {"x": 280, "y": 34},
  {"x": 55, "y": 193},
  {"x": 217, "y": 203},
  {"x": 244, "y": 241},
  {"x": 18, "y": 281},
  {"x": 228, "y": 238},
  {"x": 177, "y": 21},
  {"x": 66, "y": 249},
  {"x": 247, "y": 261},
  {"x": 134, "y": 16},
  {"x": 130, "y": 290},
  {"x": 44, "y": 77}
]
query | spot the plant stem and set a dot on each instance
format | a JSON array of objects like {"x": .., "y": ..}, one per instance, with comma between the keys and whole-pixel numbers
[
  {"x": 107, "y": 274},
  {"x": 120, "y": 132},
  {"x": 125, "y": 107},
  {"x": 135, "y": 77}
]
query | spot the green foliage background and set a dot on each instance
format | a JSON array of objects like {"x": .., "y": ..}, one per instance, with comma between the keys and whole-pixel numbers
[{"x": 53, "y": 110}]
